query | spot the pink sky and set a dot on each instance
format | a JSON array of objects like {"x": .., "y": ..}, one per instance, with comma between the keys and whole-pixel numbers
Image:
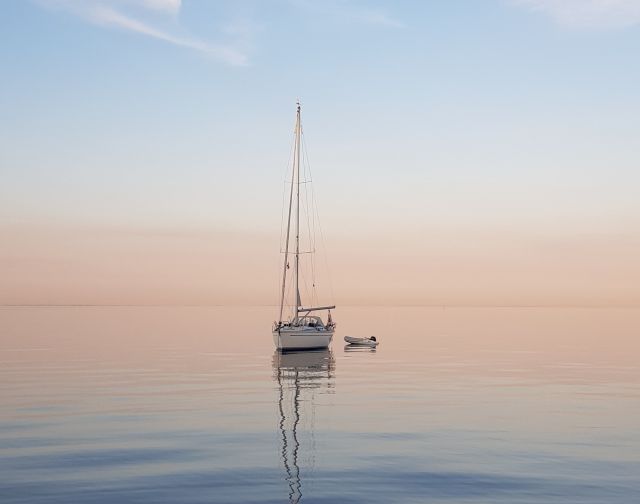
[{"x": 74, "y": 265}]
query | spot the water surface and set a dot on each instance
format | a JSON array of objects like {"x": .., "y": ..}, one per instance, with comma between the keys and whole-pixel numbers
[{"x": 192, "y": 405}]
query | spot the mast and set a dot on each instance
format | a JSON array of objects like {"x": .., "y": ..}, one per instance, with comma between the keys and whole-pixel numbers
[
  {"x": 286, "y": 249},
  {"x": 297, "y": 163}
]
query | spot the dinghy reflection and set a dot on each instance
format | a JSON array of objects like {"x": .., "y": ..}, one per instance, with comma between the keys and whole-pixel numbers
[
  {"x": 301, "y": 378},
  {"x": 356, "y": 348}
]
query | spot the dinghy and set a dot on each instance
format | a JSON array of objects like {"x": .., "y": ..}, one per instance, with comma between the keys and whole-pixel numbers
[{"x": 370, "y": 342}]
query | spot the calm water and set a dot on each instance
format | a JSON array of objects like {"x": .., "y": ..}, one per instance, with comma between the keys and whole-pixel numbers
[{"x": 192, "y": 405}]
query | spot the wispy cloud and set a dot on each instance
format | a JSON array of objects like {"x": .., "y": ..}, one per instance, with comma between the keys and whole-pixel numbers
[
  {"x": 378, "y": 17},
  {"x": 115, "y": 14},
  {"x": 588, "y": 13},
  {"x": 163, "y": 5},
  {"x": 350, "y": 11}
]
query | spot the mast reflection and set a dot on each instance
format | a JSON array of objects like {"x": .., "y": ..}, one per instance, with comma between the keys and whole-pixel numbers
[{"x": 300, "y": 376}]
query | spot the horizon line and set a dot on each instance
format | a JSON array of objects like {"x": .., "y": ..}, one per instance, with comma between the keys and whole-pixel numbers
[{"x": 227, "y": 305}]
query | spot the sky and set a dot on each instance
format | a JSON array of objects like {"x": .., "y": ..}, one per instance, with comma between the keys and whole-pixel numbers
[{"x": 463, "y": 152}]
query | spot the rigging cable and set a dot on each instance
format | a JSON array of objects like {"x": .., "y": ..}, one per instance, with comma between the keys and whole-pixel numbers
[{"x": 316, "y": 219}]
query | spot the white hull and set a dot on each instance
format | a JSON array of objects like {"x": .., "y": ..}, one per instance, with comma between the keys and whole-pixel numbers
[{"x": 303, "y": 338}]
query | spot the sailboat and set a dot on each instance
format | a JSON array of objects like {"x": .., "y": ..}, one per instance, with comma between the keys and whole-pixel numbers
[{"x": 301, "y": 330}]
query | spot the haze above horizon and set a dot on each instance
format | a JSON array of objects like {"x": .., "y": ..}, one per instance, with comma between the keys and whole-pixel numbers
[{"x": 467, "y": 153}]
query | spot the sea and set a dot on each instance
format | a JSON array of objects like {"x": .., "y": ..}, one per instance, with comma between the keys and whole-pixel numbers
[{"x": 156, "y": 404}]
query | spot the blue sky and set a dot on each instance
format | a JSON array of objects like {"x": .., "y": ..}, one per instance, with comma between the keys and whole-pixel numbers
[
  {"x": 518, "y": 115},
  {"x": 97, "y": 111}
]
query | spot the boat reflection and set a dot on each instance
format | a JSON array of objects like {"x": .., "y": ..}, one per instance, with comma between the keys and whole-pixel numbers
[{"x": 300, "y": 377}]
